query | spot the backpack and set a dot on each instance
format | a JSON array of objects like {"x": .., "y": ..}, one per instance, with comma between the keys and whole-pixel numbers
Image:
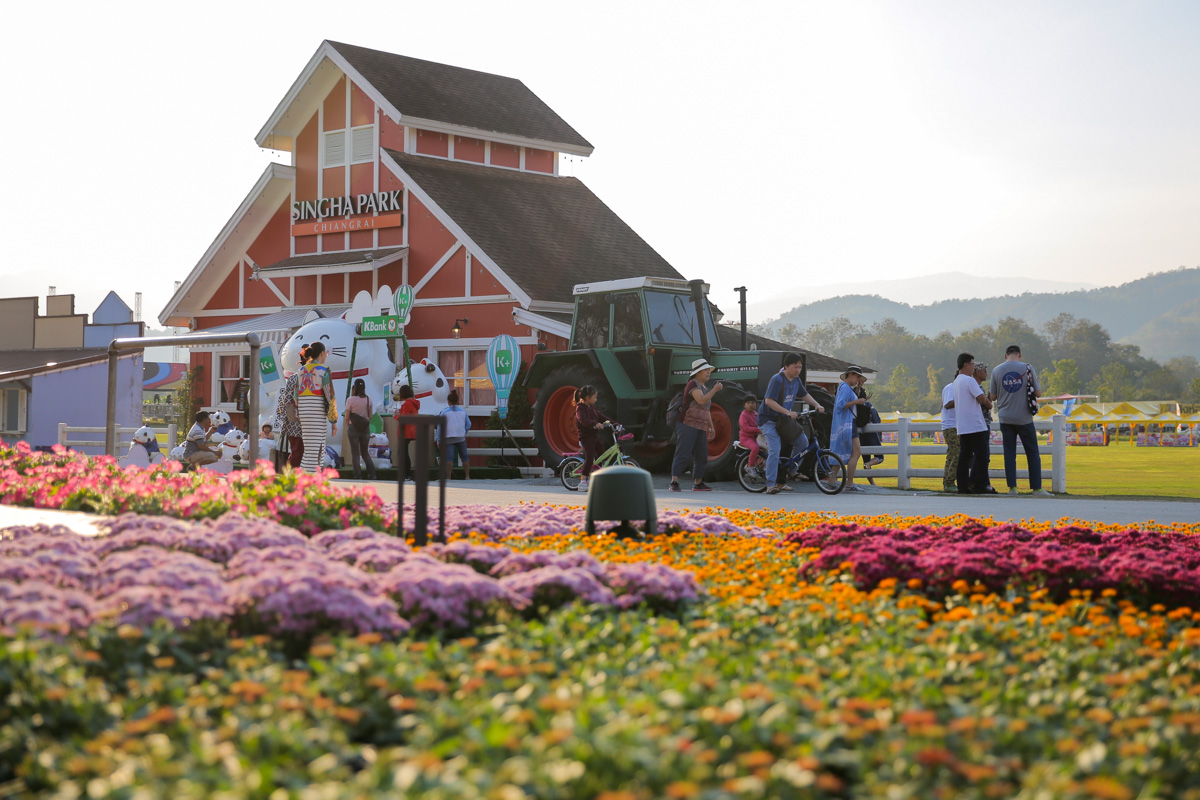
[
  {"x": 676, "y": 410},
  {"x": 1031, "y": 400},
  {"x": 862, "y": 415}
]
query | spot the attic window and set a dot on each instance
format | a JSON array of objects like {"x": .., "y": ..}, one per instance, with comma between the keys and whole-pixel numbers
[
  {"x": 362, "y": 144},
  {"x": 335, "y": 148}
]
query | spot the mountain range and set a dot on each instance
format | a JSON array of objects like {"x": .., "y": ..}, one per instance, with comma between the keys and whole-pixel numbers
[{"x": 1160, "y": 312}]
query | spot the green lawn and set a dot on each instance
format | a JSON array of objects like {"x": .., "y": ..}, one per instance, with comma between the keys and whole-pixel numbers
[{"x": 1116, "y": 470}]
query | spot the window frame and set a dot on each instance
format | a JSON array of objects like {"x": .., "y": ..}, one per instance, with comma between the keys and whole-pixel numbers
[
  {"x": 472, "y": 409},
  {"x": 243, "y": 375},
  {"x": 22, "y": 396}
]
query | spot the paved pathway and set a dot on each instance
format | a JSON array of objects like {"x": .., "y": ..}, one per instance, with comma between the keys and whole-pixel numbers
[
  {"x": 807, "y": 498},
  {"x": 731, "y": 495}
]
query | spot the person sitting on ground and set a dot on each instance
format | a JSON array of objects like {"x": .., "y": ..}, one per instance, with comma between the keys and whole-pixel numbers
[
  {"x": 748, "y": 430},
  {"x": 454, "y": 445},
  {"x": 196, "y": 451}
]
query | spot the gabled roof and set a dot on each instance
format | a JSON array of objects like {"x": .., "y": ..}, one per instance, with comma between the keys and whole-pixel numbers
[
  {"x": 425, "y": 94},
  {"x": 546, "y": 233},
  {"x": 16, "y": 364}
]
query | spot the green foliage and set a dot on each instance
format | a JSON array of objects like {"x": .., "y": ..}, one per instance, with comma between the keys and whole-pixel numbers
[
  {"x": 1193, "y": 393},
  {"x": 1113, "y": 384},
  {"x": 1062, "y": 379},
  {"x": 187, "y": 400}
]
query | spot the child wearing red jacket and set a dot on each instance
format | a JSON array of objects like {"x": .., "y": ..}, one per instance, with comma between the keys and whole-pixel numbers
[{"x": 748, "y": 431}]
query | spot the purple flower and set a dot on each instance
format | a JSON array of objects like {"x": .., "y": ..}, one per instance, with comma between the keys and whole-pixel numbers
[
  {"x": 554, "y": 586},
  {"x": 436, "y": 594}
]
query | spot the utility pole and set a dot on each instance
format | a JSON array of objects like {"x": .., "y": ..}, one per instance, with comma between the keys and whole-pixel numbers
[{"x": 741, "y": 290}]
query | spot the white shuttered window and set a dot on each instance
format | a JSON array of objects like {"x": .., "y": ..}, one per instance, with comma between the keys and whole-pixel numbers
[
  {"x": 335, "y": 148},
  {"x": 362, "y": 144}
]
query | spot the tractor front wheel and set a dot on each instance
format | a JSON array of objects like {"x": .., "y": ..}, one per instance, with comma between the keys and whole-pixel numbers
[{"x": 554, "y": 430}]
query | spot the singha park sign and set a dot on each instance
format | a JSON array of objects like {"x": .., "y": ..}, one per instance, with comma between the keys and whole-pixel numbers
[{"x": 340, "y": 214}]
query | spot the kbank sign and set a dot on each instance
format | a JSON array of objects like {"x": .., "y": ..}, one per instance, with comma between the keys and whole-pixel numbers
[{"x": 381, "y": 327}]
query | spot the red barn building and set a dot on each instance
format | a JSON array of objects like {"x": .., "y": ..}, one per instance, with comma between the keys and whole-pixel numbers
[{"x": 408, "y": 172}]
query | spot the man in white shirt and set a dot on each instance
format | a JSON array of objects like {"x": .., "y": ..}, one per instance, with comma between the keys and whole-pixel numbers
[
  {"x": 950, "y": 434},
  {"x": 973, "y": 435}
]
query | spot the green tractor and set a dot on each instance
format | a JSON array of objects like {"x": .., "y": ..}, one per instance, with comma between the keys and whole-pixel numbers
[{"x": 635, "y": 341}]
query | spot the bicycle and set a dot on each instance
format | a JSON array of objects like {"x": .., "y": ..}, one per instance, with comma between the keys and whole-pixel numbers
[
  {"x": 827, "y": 468},
  {"x": 568, "y": 468}
]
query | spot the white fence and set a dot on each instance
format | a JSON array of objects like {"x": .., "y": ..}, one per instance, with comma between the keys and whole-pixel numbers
[
  {"x": 65, "y": 430},
  {"x": 904, "y": 449}
]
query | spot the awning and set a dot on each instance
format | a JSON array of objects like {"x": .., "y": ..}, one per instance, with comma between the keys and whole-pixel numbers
[{"x": 323, "y": 263}]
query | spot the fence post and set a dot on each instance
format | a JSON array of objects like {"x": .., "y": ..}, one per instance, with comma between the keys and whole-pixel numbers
[
  {"x": 62, "y": 433},
  {"x": 902, "y": 442},
  {"x": 172, "y": 435},
  {"x": 1058, "y": 454}
]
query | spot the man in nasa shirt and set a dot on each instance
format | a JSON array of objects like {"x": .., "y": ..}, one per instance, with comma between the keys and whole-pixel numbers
[{"x": 1009, "y": 390}]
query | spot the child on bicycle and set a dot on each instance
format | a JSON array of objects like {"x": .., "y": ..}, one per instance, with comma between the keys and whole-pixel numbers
[
  {"x": 748, "y": 432},
  {"x": 590, "y": 421}
]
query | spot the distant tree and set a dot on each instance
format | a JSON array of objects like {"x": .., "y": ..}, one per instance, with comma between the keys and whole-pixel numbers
[
  {"x": 1055, "y": 330},
  {"x": 1063, "y": 379},
  {"x": 1161, "y": 384},
  {"x": 1193, "y": 392},
  {"x": 825, "y": 337},
  {"x": 1114, "y": 383},
  {"x": 1185, "y": 368},
  {"x": 934, "y": 398},
  {"x": 904, "y": 389},
  {"x": 1011, "y": 330}
]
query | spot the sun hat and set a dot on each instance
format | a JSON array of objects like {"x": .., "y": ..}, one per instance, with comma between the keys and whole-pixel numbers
[
  {"x": 699, "y": 365},
  {"x": 981, "y": 365},
  {"x": 853, "y": 369}
]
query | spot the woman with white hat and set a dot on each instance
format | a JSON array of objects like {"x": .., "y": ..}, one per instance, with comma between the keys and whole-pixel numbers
[
  {"x": 695, "y": 427},
  {"x": 843, "y": 434}
]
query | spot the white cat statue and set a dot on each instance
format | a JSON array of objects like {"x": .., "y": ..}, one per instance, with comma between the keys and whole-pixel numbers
[
  {"x": 229, "y": 447},
  {"x": 430, "y": 387}
]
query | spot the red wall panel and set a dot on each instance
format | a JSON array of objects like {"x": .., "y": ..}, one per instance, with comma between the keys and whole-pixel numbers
[
  {"x": 468, "y": 149},
  {"x": 391, "y": 135},
  {"x": 539, "y": 160},
  {"x": 226, "y": 295},
  {"x": 362, "y": 107},
  {"x": 335, "y": 106},
  {"x": 359, "y": 282},
  {"x": 392, "y": 275},
  {"x": 506, "y": 155},
  {"x": 432, "y": 144},
  {"x": 333, "y": 289},
  {"x": 428, "y": 240},
  {"x": 306, "y": 161},
  {"x": 306, "y": 290},
  {"x": 449, "y": 280},
  {"x": 483, "y": 282},
  {"x": 203, "y": 386}
]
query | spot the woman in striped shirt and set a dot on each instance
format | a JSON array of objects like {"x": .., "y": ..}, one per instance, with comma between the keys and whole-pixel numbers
[{"x": 316, "y": 404}]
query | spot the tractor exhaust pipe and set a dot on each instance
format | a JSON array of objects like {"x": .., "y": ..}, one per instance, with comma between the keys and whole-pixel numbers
[{"x": 701, "y": 304}]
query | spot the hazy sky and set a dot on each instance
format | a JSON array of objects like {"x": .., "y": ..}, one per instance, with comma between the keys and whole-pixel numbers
[{"x": 772, "y": 144}]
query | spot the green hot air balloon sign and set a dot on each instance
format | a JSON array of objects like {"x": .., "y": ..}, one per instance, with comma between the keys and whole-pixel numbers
[
  {"x": 503, "y": 361},
  {"x": 402, "y": 302}
]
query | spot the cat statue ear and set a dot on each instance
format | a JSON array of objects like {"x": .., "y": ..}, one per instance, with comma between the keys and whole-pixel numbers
[{"x": 311, "y": 315}]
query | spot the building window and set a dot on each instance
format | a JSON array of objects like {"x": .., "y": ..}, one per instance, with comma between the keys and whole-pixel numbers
[
  {"x": 335, "y": 148},
  {"x": 232, "y": 371},
  {"x": 362, "y": 144},
  {"x": 474, "y": 386},
  {"x": 12, "y": 410}
]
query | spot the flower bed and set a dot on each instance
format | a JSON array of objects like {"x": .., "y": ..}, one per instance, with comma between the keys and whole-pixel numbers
[{"x": 856, "y": 657}]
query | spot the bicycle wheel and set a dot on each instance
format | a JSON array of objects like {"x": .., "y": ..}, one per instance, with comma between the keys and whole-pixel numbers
[
  {"x": 568, "y": 472},
  {"x": 626, "y": 461},
  {"x": 829, "y": 472},
  {"x": 752, "y": 479}
]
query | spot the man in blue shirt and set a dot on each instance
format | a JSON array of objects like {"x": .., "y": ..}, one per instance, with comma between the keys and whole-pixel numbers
[{"x": 783, "y": 390}]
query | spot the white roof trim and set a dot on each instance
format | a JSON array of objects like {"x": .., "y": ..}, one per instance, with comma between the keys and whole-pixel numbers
[
  {"x": 523, "y": 317},
  {"x": 351, "y": 265},
  {"x": 454, "y": 228},
  {"x": 274, "y": 171}
]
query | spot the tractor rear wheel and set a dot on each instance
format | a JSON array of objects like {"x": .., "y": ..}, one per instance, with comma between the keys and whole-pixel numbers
[{"x": 554, "y": 430}]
